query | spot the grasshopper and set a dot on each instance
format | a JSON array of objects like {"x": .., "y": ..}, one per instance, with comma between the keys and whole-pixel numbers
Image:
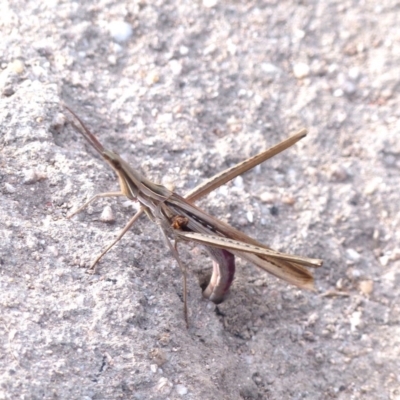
[{"x": 178, "y": 218}]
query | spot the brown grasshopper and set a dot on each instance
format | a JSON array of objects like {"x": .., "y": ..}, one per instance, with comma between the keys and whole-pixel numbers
[{"x": 180, "y": 219}]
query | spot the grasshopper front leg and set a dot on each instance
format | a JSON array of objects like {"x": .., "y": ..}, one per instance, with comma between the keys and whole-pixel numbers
[
  {"x": 95, "y": 197},
  {"x": 117, "y": 239}
]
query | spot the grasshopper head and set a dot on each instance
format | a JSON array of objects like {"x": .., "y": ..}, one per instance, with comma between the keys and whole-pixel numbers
[
  {"x": 129, "y": 179},
  {"x": 113, "y": 159}
]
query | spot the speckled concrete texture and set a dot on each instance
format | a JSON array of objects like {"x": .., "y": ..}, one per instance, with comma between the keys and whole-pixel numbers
[{"x": 183, "y": 90}]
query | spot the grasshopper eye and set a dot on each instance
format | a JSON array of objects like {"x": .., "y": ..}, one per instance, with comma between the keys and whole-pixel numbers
[{"x": 116, "y": 164}]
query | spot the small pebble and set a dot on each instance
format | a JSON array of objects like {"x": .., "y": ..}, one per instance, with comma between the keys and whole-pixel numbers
[
  {"x": 355, "y": 320},
  {"x": 31, "y": 242},
  {"x": 354, "y": 73},
  {"x": 153, "y": 368},
  {"x": 353, "y": 273},
  {"x": 183, "y": 50},
  {"x": 181, "y": 390},
  {"x": 353, "y": 255},
  {"x": 269, "y": 68},
  {"x": 309, "y": 336},
  {"x": 301, "y": 70},
  {"x": 395, "y": 255},
  {"x": 299, "y": 33},
  {"x": 232, "y": 48},
  {"x": 120, "y": 31},
  {"x": 338, "y": 173},
  {"x": 158, "y": 356},
  {"x": 164, "y": 339},
  {"x": 152, "y": 78},
  {"x": 288, "y": 200},
  {"x": 223, "y": 191},
  {"x": 242, "y": 93},
  {"x": 209, "y": 49},
  {"x": 238, "y": 182},
  {"x": 267, "y": 197},
  {"x": 9, "y": 188},
  {"x": 384, "y": 260},
  {"x": 125, "y": 117},
  {"x": 234, "y": 124},
  {"x": 8, "y": 90},
  {"x": 178, "y": 110},
  {"x": 338, "y": 93},
  {"x": 372, "y": 186},
  {"x": 250, "y": 216},
  {"x": 166, "y": 118},
  {"x": 366, "y": 287},
  {"x": 157, "y": 44},
  {"x": 52, "y": 250},
  {"x": 258, "y": 100},
  {"x": 58, "y": 121},
  {"x": 176, "y": 67},
  {"x": 349, "y": 87},
  {"x": 164, "y": 385},
  {"x": 387, "y": 93},
  {"x": 210, "y": 3},
  {"x": 312, "y": 319},
  {"x": 30, "y": 177},
  {"x": 17, "y": 66},
  {"x": 112, "y": 60},
  {"x": 107, "y": 215}
]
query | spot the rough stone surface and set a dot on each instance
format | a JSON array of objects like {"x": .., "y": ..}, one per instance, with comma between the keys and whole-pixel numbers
[{"x": 195, "y": 89}]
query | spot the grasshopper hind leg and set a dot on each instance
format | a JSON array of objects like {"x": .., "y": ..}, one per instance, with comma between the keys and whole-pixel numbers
[{"x": 223, "y": 273}]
